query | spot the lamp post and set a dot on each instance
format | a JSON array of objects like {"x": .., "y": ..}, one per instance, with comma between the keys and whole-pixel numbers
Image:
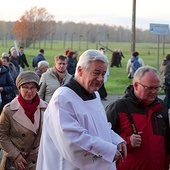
[
  {"x": 6, "y": 37},
  {"x": 3, "y": 38},
  {"x": 72, "y": 40},
  {"x": 80, "y": 36},
  {"x": 52, "y": 37},
  {"x": 97, "y": 40},
  {"x": 87, "y": 45},
  {"x": 64, "y": 41},
  {"x": 133, "y": 33},
  {"x": 107, "y": 38}
]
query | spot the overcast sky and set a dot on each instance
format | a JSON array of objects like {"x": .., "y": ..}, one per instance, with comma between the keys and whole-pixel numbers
[{"x": 115, "y": 12}]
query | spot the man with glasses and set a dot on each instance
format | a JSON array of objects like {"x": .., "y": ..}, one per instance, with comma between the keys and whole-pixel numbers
[{"x": 141, "y": 119}]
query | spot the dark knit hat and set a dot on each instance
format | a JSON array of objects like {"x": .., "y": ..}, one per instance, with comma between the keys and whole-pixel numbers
[
  {"x": 27, "y": 77},
  {"x": 135, "y": 54},
  {"x": 41, "y": 51}
]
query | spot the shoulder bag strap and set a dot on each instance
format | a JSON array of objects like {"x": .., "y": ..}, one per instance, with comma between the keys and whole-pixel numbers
[{"x": 134, "y": 129}]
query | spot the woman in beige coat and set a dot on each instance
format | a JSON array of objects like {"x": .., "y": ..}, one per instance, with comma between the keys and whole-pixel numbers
[{"x": 21, "y": 125}]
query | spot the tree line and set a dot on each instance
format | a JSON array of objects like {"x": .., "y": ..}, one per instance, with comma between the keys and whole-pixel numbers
[{"x": 37, "y": 24}]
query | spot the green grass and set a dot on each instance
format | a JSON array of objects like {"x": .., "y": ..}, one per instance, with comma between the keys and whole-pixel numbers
[{"x": 117, "y": 80}]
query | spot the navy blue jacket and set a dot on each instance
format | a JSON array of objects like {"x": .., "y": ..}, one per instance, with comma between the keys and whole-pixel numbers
[
  {"x": 36, "y": 59},
  {"x": 7, "y": 82}
]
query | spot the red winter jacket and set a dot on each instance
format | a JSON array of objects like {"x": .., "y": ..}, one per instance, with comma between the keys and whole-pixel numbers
[{"x": 153, "y": 121}]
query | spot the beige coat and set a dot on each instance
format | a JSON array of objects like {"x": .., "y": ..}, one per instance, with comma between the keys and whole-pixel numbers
[
  {"x": 49, "y": 83},
  {"x": 17, "y": 133}
]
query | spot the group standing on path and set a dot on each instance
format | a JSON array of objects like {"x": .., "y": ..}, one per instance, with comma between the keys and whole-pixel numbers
[{"x": 45, "y": 126}]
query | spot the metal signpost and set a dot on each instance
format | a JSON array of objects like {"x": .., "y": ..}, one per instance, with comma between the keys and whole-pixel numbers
[{"x": 159, "y": 29}]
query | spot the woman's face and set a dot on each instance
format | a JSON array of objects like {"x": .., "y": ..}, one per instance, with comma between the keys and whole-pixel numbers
[{"x": 28, "y": 91}]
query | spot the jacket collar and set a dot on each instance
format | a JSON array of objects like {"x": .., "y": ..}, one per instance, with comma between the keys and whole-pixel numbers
[
  {"x": 15, "y": 104},
  {"x": 21, "y": 117}
]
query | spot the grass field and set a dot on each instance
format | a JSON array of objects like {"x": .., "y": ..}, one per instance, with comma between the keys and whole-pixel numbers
[{"x": 117, "y": 80}]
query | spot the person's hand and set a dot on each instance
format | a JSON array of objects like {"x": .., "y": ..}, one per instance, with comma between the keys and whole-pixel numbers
[
  {"x": 118, "y": 156},
  {"x": 1, "y": 89},
  {"x": 136, "y": 140},
  {"x": 20, "y": 162},
  {"x": 122, "y": 149}
]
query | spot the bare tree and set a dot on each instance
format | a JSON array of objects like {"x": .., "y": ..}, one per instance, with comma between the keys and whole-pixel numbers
[{"x": 33, "y": 26}]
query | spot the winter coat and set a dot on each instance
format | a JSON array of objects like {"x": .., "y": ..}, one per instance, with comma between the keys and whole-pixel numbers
[
  {"x": 71, "y": 67},
  {"x": 16, "y": 62},
  {"x": 23, "y": 60},
  {"x": 12, "y": 69},
  {"x": 152, "y": 120},
  {"x": 49, "y": 83},
  {"x": 165, "y": 72},
  {"x": 7, "y": 82},
  {"x": 36, "y": 59},
  {"x": 17, "y": 133}
]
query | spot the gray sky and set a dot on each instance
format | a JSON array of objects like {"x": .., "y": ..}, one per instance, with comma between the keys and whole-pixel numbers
[{"x": 115, "y": 12}]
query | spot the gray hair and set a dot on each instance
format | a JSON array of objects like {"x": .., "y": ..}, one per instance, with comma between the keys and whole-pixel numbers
[
  {"x": 5, "y": 54},
  {"x": 42, "y": 64},
  {"x": 89, "y": 56},
  {"x": 140, "y": 72}
]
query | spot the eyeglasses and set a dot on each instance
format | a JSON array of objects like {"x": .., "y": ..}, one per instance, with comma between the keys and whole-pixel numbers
[
  {"x": 150, "y": 88},
  {"x": 29, "y": 88}
]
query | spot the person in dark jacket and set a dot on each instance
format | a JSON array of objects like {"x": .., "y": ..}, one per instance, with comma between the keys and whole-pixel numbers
[
  {"x": 71, "y": 66},
  {"x": 102, "y": 90},
  {"x": 12, "y": 69},
  {"x": 7, "y": 85},
  {"x": 141, "y": 119},
  {"x": 14, "y": 58},
  {"x": 165, "y": 75},
  {"x": 23, "y": 59},
  {"x": 38, "y": 58},
  {"x": 6, "y": 62}
]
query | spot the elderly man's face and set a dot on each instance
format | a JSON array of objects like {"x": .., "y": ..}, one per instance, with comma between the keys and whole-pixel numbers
[
  {"x": 92, "y": 78},
  {"x": 147, "y": 88}
]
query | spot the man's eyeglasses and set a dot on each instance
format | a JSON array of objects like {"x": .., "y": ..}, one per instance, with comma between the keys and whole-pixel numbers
[
  {"x": 29, "y": 88},
  {"x": 150, "y": 88}
]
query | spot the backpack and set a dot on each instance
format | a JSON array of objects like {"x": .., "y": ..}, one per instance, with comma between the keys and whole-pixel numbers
[
  {"x": 134, "y": 65},
  {"x": 166, "y": 80}
]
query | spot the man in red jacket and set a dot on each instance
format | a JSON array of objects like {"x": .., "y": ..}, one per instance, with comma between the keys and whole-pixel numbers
[{"x": 141, "y": 119}]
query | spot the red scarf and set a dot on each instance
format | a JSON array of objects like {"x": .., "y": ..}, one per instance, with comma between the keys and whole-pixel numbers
[{"x": 29, "y": 108}]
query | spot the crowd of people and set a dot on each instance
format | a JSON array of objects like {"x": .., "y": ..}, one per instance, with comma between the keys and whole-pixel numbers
[{"x": 53, "y": 117}]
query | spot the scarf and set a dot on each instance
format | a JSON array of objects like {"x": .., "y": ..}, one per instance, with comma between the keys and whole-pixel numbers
[
  {"x": 59, "y": 75},
  {"x": 29, "y": 108}
]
